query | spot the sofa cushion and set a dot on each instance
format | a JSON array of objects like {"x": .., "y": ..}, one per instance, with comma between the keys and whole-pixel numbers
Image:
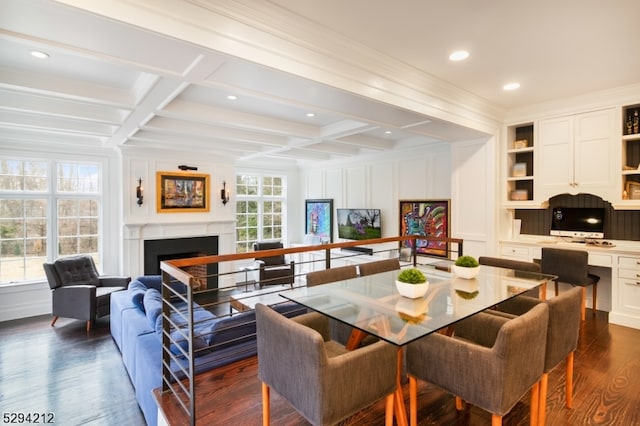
[
  {"x": 231, "y": 330},
  {"x": 155, "y": 281},
  {"x": 137, "y": 291},
  {"x": 203, "y": 321},
  {"x": 152, "y": 302},
  {"x": 181, "y": 342}
]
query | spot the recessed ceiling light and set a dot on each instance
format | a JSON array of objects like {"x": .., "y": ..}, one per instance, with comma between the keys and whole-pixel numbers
[
  {"x": 232, "y": 97},
  {"x": 310, "y": 114},
  {"x": 39, "y": 55},
  {"x": 387, "y": 132},
  {"x": 459, "y": 55},
  {"x": 511, "y": 86}
]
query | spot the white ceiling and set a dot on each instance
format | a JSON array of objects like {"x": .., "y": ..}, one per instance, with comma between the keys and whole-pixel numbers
[{"x": 108, "y": 83}]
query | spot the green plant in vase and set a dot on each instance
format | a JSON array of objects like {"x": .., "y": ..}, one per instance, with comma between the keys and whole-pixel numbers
[
  {"x": 467, "y": 262},
  {"x": 412, "y": 276},
  {"x": 466, "y": 267},
  {"x": 412, "y": 283}
]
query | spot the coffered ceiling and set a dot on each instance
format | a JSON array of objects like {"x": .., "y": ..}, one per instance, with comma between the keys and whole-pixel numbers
[{"x": 110, "y": 83}]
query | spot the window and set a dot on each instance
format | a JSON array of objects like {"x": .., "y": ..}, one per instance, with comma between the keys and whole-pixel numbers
[
  {"x": 41, "y": 221},
  {"x": 260, "y": 209}
]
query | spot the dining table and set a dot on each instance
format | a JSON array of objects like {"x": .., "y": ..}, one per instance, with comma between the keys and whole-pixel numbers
[{"x": 372, "y": 305}]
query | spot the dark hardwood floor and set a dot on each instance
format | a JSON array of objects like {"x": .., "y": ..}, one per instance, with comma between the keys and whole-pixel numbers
[{"x": 81, "y": 379}]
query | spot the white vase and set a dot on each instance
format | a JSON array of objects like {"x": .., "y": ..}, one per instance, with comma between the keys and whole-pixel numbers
[
  {"x": 412, "y": 291},
  {"x": 466, "y": 273}
]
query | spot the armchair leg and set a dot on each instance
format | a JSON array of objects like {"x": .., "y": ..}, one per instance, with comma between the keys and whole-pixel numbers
[
  {"x": 569, "y": 384},
  {"x": 54, "y": 321},
  {"x": 413, "y": 401},
  {"x": 544, "y": 382},
  {"x": 535, "y": 404},
  {"x": 459, "y": 403},
  {"x": 388, "y": 410},
  {"x": 496, "y": 420},
  {"x": 88, "y": 326},
  {"x": 582, "y": 304},
  {"x": 266, "y": 409},
  {"x": 594, "y": 295}
]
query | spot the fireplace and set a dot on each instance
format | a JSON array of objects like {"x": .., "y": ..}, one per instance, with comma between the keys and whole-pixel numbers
[{"x": 156, "y": 251}]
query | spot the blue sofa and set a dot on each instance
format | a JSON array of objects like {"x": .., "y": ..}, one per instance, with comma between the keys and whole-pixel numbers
[{"x": 136, "y": 328}]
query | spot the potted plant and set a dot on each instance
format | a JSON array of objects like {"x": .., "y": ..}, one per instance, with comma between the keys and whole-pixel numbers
[
  {"x": 412, "y": 283},
  {"x": 466, "y": 267}
]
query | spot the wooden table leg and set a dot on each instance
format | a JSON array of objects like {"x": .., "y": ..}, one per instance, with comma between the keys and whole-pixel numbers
[
  {"x": 399, "y": 407},
  {"x": 542, "y": 291},
  {"x": 401, "y": 410},
  {"x": 355, "y": 339}
]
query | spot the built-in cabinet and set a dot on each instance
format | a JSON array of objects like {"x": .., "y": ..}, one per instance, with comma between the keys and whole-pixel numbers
[
  {"x": 520, "y": 163},
  {"x": 631, "y": 154},
  {"x": 627, "y": 294},
  {"x": 578, "y": 154},
  {"x": 621, "y": 262},
  {"x": 595, "y": 152}
]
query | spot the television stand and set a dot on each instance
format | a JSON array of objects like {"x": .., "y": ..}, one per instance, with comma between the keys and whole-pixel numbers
[{"x": 363, "y": 250}]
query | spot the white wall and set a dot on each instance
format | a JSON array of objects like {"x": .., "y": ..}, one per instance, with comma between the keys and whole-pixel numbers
[{"x": 464, "y": 172}]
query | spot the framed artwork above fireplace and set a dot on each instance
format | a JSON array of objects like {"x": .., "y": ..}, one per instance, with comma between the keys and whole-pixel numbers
[{"x": 182, "y": 192}]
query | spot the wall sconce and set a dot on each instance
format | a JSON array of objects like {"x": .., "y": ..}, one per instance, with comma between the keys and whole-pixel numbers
[
  {"x": 139, "y": 190},
  {"x": 224, "y": 194}
]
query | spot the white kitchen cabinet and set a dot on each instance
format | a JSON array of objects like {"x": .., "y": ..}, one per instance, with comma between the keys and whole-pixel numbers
[
  {"x": 578, "y": 154},
  {"x": 626, "y": 295}
]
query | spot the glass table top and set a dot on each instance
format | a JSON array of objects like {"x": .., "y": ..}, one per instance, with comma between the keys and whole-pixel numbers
[{"x": 372, "y": 303}]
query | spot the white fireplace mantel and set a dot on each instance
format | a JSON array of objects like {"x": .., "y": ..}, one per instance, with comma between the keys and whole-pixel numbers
[{"x": 135, "y": 234}]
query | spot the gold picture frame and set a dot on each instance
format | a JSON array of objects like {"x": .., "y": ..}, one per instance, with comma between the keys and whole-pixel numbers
[
  {"x": 633, "y": 190},
  {"x": 182, "y": 192}
]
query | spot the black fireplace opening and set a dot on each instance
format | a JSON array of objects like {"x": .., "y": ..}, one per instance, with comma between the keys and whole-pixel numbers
[{"x": 156, "y": 251}]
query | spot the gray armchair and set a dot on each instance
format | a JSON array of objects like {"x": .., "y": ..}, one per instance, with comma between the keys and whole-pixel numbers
[
  {"x": 78, "y": 291},
  {"x": 320, "y": 378},
  {"x": 273, "y": 269},
  {"x": 562, "y": 336},
  {"x": 492, "y": 362}
]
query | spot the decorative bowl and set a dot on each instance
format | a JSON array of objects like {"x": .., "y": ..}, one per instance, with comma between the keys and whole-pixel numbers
[
  {"x": 463, "y": 272},
  {"x": 412, "y": 291}
]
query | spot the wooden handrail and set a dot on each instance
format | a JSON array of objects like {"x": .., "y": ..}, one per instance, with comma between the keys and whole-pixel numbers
[{"x": 173, "y": 266}]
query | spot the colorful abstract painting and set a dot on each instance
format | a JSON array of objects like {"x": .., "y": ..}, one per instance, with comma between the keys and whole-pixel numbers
[{"x": 429, "y": 218}]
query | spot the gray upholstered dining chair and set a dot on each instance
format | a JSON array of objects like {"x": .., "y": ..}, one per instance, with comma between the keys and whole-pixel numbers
[
  {"x": 330, "y": 275},
  {"x": 518, "y": 265},
  {"x": 491, "y": 362},
  {"x": 79, "y": 291},
  {"x": 562, "y": 336},
  {"x": 571, "y": 267},
  {"x": 378, "y": 266},
  {"x": 320, "y": 378},
  {"x": 339, "y": 331}
]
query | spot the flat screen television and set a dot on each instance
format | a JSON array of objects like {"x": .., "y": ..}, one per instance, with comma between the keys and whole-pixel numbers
[
  {"x": 577, "y": 222},
  {"x": 359, "y": 224}
]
